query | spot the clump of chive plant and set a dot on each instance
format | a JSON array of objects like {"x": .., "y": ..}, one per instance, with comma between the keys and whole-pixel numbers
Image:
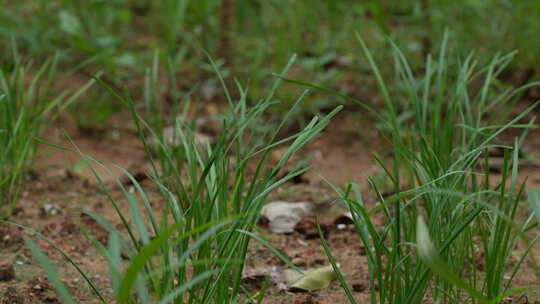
[
  {"x": 447, "y": 215},
  {"x": 27, "y": 99},
  {"x": 193, "y": 249}
]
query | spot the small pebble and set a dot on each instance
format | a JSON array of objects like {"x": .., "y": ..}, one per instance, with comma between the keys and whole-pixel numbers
[
  {"x": 115, "y": 135},
  {"x": 50, "y": 209}
]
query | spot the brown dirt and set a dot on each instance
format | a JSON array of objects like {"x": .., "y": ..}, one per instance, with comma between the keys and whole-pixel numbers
[{"x": 339, "y": 156}]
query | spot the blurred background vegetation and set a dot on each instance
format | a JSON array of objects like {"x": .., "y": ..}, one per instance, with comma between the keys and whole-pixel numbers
[{"x": 120, "y": 38}]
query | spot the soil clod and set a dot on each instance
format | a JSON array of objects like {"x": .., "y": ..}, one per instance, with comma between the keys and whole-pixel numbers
[{"x": 7, "y": 271}]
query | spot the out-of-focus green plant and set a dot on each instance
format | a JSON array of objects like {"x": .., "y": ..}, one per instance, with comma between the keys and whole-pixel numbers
[{"x": 28, "y": 101}]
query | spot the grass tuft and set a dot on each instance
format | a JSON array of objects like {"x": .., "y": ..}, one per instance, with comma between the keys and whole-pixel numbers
[
  {"x": 193, "y": 250},
  {"x": 440, "y": 127}
]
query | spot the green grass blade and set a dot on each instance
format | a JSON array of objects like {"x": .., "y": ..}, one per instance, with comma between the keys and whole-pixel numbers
[{"x": 50, "y": 271}]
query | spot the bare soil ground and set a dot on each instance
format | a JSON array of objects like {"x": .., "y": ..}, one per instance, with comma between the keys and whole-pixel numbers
[{"x": 341, "y": 155}]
